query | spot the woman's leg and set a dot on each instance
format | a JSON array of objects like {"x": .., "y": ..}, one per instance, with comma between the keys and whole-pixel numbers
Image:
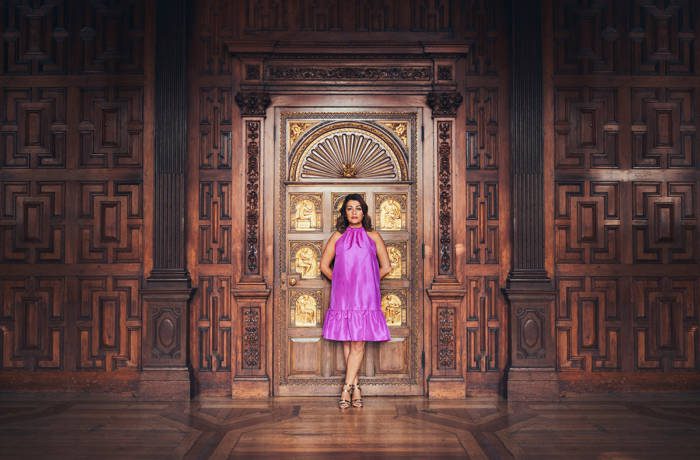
[
  {"x": 357, "y": 352},
  {"x": 346, "y": 353}
]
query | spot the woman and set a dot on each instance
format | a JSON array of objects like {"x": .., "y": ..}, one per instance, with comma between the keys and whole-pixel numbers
[{"x": 355, "y": 313}]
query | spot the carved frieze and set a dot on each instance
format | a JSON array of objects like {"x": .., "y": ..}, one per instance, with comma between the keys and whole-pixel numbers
[{"x": 355, "y": 73}]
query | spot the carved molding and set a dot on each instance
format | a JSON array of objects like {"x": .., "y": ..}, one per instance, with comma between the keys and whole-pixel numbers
[
  {"x": 308, "y": 73},
  {"x": 445, "y": 250},
  {"x": 444, "y": 104},
  {"x": 253, "y": 104}
]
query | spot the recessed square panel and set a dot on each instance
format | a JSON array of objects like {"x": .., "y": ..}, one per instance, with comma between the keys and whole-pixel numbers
[
  {"x": 390, "y": 211},
  {"x": 394, "y": 306},
  {"x": 398, "y": 256},
  {"x": 305, "y": 212},
  {"x": 305, "y": 259},
  {"x": 305, "y": 307}
]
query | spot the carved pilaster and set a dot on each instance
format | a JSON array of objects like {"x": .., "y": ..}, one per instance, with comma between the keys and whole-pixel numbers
[
  {"x": 167, "y": 291},
  {"x": 252, "y": 194},
  {"x": 529, "y": 290},
  {"x": 251, "y": 378},
  {"x": 445, "y": 246}
]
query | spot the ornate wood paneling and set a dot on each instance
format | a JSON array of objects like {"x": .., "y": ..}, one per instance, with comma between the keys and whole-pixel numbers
[
  {"x": 215, "y": 225},
  {"x": 484, "y": 325},
  {"x": 72, "y": 199},
  {"x": 625, "y": 187}
]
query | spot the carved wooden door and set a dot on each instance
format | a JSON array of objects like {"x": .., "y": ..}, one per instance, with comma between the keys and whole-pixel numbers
[{"x": 324, "y": 156}]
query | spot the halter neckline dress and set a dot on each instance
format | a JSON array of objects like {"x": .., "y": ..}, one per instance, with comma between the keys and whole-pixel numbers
[{"x": 355, "y": 311}]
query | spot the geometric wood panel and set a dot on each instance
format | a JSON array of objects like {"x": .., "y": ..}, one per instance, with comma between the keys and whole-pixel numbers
[
  {"x": 664, "y": 127},
  {"x": 664, "y": 222},
  {"x": 109, "y": 322},
  {"x": 32, "y": 322},
  {"x": 33, "y": 127},
  {"x": 589, "y": 323},
  {"x": 111, "y": 221},
  {"x": 485, "y": 315},
  {"x": 111, "y": 127},
  {"x": 213, "y": 324},
  {"x": 587, "y": 221},
  {"x": 663, "y": 37},
  {"x": 215, "y": 222},
  {"x": 586, "y": 127},
  {"x": 666, "y": 319},
  {"x": 32, "y": 222},
  {"x": 482, "y": 106},
  {"x": 215, "y": 143},
  {"x": 482, "y": 223},
  {"x": 587, "y": 36}
]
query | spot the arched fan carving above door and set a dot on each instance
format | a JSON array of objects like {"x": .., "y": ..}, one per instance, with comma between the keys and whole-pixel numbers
[{"x": 348, "y": 150}]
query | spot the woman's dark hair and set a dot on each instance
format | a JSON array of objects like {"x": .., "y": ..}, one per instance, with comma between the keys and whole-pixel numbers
[{"x": 342, "y": 223}]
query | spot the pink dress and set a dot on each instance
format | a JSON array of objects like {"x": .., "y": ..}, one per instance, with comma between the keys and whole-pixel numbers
[{"x": 355, "y": 311}]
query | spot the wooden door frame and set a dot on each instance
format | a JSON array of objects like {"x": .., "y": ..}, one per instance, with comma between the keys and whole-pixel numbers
[
  {"x": 268, "y": 75},
  {"x": 363, "y": 106}
]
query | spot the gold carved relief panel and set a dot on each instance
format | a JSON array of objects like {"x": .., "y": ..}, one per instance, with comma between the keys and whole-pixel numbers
[
  {"x": 398, "y": 256},
  {"x": 305, "y": 307},
  {"x": 305, "y": 259},
  {"x": 390, "y": 211},
  {"x": 394, "y": 305},
  {"x": 305, "y": 212}
]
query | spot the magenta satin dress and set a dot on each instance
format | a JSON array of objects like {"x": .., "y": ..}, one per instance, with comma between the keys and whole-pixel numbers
[{"x": 355, "y": 311}]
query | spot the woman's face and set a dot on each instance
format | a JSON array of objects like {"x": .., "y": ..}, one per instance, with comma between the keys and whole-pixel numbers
[{"x": 353, "y": 211}]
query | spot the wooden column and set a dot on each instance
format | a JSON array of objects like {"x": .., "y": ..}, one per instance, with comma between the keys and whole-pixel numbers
[
  {"x": 446, "y": 293},
  {"x": 167, "y": 291},
  {"x": 251, "y": 378},
  {"x": 529, "y": 289}
]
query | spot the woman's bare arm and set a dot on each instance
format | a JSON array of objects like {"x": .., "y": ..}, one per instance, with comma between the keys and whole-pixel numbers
[
  {"x": 328, "y": 256},
  {"x": 382, "y": 254}
]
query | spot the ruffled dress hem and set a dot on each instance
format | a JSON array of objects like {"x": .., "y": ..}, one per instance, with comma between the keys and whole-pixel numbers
[{"x": 358, "y": 325}]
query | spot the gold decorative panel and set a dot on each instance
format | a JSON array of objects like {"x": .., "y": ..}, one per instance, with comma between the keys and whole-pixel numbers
[
  {"x": 337, "y": 200},
  {"x": 305, "y": 212},
  {"x": 399, "y": 128},
  {"x": 390, "y": 212},
  {"x": 305, "y": 258},
  {"x": 305, "y": 307},
  {"x": 399, "y": 260},
  {"x": 297, "y": 129},
  {"x": 394, "y": 307}
]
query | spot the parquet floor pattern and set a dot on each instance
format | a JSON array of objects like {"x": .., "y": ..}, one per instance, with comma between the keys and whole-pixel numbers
[{"x": 313, "y": 428}]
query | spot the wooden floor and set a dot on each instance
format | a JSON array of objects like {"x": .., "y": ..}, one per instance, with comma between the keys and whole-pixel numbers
[{"x": 310, "y": 428}]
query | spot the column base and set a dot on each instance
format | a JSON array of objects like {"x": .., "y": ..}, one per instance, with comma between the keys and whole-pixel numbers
[
  {"x": 533, "y": 384},
  {"x": 447, "y": 388},
  {"x": 164, "y": 385},
  {"x": 250, "y": 388}
]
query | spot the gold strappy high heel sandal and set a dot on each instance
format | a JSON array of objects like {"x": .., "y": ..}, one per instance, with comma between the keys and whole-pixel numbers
[
  {"x": 345, "y": 403},
  {"x": 356, "y": 402}
]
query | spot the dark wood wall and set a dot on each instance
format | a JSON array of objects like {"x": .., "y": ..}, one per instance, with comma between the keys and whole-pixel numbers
[
  {"x": 621, "y": 180},
  {"x": 622, "y": 94},
  {"x": 75, "y": 130}
]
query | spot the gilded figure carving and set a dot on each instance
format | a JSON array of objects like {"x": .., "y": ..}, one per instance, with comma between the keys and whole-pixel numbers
[
  {"x": 305, "y": 212},
  {"x": 306, "y": 263},
  {"x": 390, "y": 215},
  {"x": 305, "y": 311},
  {"x": 392, "y": 308},
  {"x": 400, "y": 129},
  {"x": 396, "y": 262}
]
